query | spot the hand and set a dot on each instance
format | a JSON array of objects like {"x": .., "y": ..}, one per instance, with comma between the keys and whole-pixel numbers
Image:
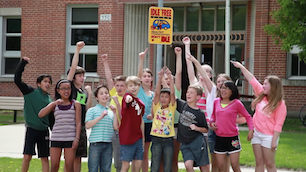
[
  {"x": 88, "y": 89},
  {"x": 161, "y": 73},
  {"x": 186, "y": 41},
  {"x": 250, "y": 135},
  {"x": 142, "y": 55},
  {"x": 168, "y": 73},
  {"x": 178, "y": 50},
  {"x": 58, "y": 102},
  {"x": 26, "y": 59},
  {"x": 128, "y": 99},
  {"x": 191, "y": 57},
  {"x": 113, "y": 108},
  {"x": 213, "y": 126},
  {"x": 273, "y": 145},
  {"x": 80, "y": 45},
  {"x": 150, "y": 117},
  {"x": 75, "y": 143},
  {"x": 104, "y": 57},
  {"x": 104, "y": 113},
  {"x": 236, "y": 64},
  {"x": 193, "y": 127}
]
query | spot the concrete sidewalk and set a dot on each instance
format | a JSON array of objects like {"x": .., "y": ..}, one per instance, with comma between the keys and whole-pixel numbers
[{"x": 12, "y": 142}]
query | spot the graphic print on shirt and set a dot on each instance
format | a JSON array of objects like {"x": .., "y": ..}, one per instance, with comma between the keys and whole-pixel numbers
[
  {"x": 136, "y": 107},
  {"x": 163, "y": 122},
  {"x": 187, "y": 118},
  {"x": 261, "y": 105},
  {"x": 236, "y": 144},
  {"x": 81, "y": 97}
]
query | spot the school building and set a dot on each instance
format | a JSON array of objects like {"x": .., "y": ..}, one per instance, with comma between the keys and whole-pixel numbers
[{"x": 47, "y": 31}]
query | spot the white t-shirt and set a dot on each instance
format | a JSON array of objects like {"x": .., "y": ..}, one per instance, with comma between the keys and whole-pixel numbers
[{"x": 210, "y": 101}]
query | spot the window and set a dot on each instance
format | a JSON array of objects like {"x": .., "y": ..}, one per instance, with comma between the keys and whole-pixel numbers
[
  {"x": 178, "y": 19},
  {"x": 11, "y": 39},
  {"x": 208, "y": 18},
  {"x": 82, "y": 25},
  {"x": 221, "y": 18},
  {"x": 192, "y": 18},
  {"x": 239, "y": 17}
]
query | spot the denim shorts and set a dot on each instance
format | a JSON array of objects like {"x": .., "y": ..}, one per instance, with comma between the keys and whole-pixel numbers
[
  {"x": 132, "y": 152},
  {"x": 196, "y": 151},
  {"x": 211, "y": 140}
]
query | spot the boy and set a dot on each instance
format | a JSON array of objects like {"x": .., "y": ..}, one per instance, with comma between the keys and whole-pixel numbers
[
  {"x": 76, "y": 76},
  {"x": 117, "y": 88},
  {"x": 36, "y": 128},
  {"x": 192, "y": 123},
  {"x": 162, "y": 132},
  {"x": 131, "y": 130}
]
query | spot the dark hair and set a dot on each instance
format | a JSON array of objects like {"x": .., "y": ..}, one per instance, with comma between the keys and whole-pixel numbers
[
  {"x": 78, "y": 70},
  {"x": 233, "y": 88},
  {"x": 42, "y": 77},
  {"x": 98, "y": 88},
  {"x": 165, "y": 90},
  {"x": 58, "y": 84}
]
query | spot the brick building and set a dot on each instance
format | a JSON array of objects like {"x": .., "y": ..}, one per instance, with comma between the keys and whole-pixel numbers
[{"x": 47, "y": 31}]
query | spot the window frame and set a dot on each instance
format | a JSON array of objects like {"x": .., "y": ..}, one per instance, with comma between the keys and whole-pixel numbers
[
  {"x": 87, "y": 49},
  {"x": 295, "y": 50}
]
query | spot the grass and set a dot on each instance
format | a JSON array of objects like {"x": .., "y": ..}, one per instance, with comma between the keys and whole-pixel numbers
[{"x": 7, "y": 117}]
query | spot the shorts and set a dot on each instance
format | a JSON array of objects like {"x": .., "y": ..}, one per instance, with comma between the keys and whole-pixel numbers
[
  {"x": 228, "y": 145},
  {"x": 147, "y": 131},
  {"x": 263, "y": 139},
  {"x": 211, "y": 140},
  {"x": 61, "y": 144},
  {"x": 175, "y": 130},
  {"x": 81, "y": 150},
  {"x": 132, "y": 152},
  {"x": 196, "y": 151},
  {"x": 39, "y": 137}
]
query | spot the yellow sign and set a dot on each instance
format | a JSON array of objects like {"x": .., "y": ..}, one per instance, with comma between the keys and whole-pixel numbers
[{"x": 160, "y": 25}]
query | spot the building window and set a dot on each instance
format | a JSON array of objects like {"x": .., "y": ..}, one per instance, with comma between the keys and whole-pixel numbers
[
  {"x": 178, "y": 19},
  {"x": 82, "y": 25},
  {"x": 297, "y": 67},
  {"x": 12, "y": 44},
  {"x": 239, "y": 17},
  {"x": 208, "y": 18}
]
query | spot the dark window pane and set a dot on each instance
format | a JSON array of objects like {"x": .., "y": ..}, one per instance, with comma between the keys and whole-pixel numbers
[
  {"x": 13, "y": 43},
  {"x": 91, "y": 62},
  {"x": 84, "y": 16},
  {"x": 208, "y": 18},
  {"x": 178, "y": 19},
  {"x": 302, "y": 68},
  {"x": 192, "y": 19},
  {"x": 89, "y": 36},
  {"x": 239, "y": 17},
  {"x": 221, "y": 18},
  {"x": 10, "y": 65},
  {"x": 295, "y": 65},
  {"x": 13, "y": 26},
  {"x": 80, "y": 60}
]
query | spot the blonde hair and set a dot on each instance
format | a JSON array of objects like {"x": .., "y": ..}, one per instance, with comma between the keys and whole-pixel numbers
[
  {"x": 275, "y": 96},
  {"x": 133, "y": 79},
  {"x": 198, "y": 89}
]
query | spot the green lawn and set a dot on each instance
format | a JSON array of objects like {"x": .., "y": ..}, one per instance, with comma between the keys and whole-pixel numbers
[{"x": 7, "y": 117}]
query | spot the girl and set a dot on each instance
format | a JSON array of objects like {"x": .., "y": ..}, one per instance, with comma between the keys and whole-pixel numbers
[
  {"x": 67, "y": 127},
  {"x": 223, "y": 121},
  {"x": 146, "y": 96},
  {"x": 101, "y": 120},
  {"x": 269, "y": 117}
]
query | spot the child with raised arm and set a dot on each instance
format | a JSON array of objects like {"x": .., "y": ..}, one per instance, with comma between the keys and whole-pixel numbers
[
  {"x": 162, "y": 131},
  {"x": 67, "y": 127},
  {"x": 223, "y": 121},
  {"x": 269, "y": 117},
  {"x": 131, "y": 130},
  {"x": 76, "y": 76},
  {"x": 192, "y": 123},
  {"x": 146, "y": 96},
  {"x": 117, "y": 88},
  {"x": 36, "y": 128},
  {"x": 101, "y": 120}
]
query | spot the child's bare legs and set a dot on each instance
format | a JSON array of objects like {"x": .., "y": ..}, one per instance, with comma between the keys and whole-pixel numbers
[
  {"x": 222, "y": 162},
  {"x": 69, "y": 159},
  {"x": 234, "y": 157},
  {"x": 259, "y": 157},
  {"x": 214, "y": 163},
  {"x": 26, "y": 162},
  {"x": 175, "y": 155},
  {"x": 269, "y": 157},
  {"x": 55, "y": 154},
  {"x": 45, "y": 164},
  {"x": 189, "y": 165},
  {"x": 137, "y": 165},
  {"x": 145, "y": 161},
  {"x": 77, "y": 164},
  {"x": 125, "y": 166}
]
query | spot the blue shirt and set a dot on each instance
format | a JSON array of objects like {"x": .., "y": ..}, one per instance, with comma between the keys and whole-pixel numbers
[
  {"x": 103, "y": 130},
  {"x": 147, "y": 100}
]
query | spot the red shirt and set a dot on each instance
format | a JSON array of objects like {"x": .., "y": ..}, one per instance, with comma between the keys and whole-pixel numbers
[{"x": 130, "y": 131}]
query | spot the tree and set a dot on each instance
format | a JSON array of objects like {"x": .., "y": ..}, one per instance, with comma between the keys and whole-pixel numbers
[{"x": 290, "y": 26}]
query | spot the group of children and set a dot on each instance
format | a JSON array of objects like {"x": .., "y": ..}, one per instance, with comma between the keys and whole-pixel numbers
[{"x": 137, "y": 117}]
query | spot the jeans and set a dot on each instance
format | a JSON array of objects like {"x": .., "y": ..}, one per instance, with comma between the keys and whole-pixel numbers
[
  {"x": 161, "y": 147},
  {"x": 100, "y": 157},
  {"x": 116, "y": 151}
]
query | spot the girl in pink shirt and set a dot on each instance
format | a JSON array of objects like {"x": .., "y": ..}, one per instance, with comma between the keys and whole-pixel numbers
[
  {"x": 269, "y": 118},
  {"x": 223, "y": 121}
]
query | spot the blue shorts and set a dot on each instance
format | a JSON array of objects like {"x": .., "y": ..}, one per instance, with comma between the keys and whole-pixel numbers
[
  {"x": 211, "y": 140},
  {"x": 131, "y": 152},
  {"x": 196, "y": 151}
]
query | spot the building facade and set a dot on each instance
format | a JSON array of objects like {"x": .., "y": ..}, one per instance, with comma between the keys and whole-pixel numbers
[{"x": 47, "y": 31}]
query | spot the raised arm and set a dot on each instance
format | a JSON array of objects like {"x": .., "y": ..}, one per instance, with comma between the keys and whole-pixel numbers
[
  {"x": 190, "y": 70},
  {"x": 158, "y": 86},
  {"x": 24, "y": 88},
  {"x": 248, "y": 75},
  {"x": 50, "y": 107},
  {"x": 116, "y": 124},
  {"x": 108, "y": 74},
  {"x": 178, "y": 72},
  {"x": 172, "y": 92},
  {"x": 142, "y": 55},
  {"x": 208, "y": 83},
  {"x": 90, "y": 124},
  {"x": 75, "y": 60}
]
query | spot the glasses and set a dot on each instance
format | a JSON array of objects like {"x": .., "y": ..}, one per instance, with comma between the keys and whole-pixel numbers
[
  {"x": 65, "y": 89},
  {"x": 225, "y": 88}
]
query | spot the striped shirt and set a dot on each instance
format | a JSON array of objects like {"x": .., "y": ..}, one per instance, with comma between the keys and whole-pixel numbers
[
  {"x": 103, "y": 130},
  {"x": 64, "y": 128},
  {"x": 202, "y": 105}
]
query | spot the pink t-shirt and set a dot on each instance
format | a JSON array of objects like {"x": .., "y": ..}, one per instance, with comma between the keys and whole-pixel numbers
[
  {"x": 225, "y": 118},
  {"x": 267, "y": 123}
]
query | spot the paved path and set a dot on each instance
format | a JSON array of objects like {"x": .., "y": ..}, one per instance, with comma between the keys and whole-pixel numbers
[{"x": 12, "y": 141}]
